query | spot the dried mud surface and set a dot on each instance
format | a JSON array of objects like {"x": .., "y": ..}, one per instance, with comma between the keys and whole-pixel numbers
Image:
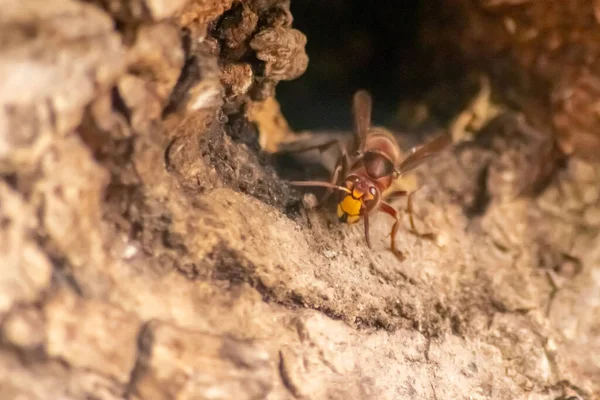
[{"x": 151, "y": 251}]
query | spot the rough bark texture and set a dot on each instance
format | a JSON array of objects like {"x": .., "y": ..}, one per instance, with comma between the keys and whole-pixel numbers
[
  {"x": 150, "y": 250},
  {"x": 544, "y": 55}
]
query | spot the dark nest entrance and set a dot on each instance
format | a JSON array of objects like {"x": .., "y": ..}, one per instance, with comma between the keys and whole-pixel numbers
[
  {"x": 351, "y": 45},
  {"x": 541, "y": 58}
]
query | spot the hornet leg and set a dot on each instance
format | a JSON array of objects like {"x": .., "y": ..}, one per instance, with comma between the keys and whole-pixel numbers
[
  {"x": 385, "y": 207},
  {"x": 366, "y": 221},
  {"x": 413, "y": 230}
]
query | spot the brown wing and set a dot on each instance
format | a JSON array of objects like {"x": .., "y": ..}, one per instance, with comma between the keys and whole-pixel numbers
[
  {"x": 318, "y": 147},
  {"x": 419, "y": 154},
  {"x": 313, "y": 140},
  {"x": 361, "y": 110}
]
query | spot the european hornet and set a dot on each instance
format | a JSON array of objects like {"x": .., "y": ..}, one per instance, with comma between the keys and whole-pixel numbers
[{"x": 373, "y": 163}]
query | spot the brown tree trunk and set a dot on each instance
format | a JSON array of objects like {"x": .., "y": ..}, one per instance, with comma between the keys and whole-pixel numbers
[{"x": 149, "y": 248}]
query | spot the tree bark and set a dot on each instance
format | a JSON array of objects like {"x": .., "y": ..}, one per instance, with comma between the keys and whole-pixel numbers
[{"x": 150, "y": 250}]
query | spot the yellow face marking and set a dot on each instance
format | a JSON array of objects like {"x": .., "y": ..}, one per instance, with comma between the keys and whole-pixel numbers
[
  {"x": 357, "y": 194},
  {"x": 351, "y": 206},
  {"x": 340, "y": 212}
]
